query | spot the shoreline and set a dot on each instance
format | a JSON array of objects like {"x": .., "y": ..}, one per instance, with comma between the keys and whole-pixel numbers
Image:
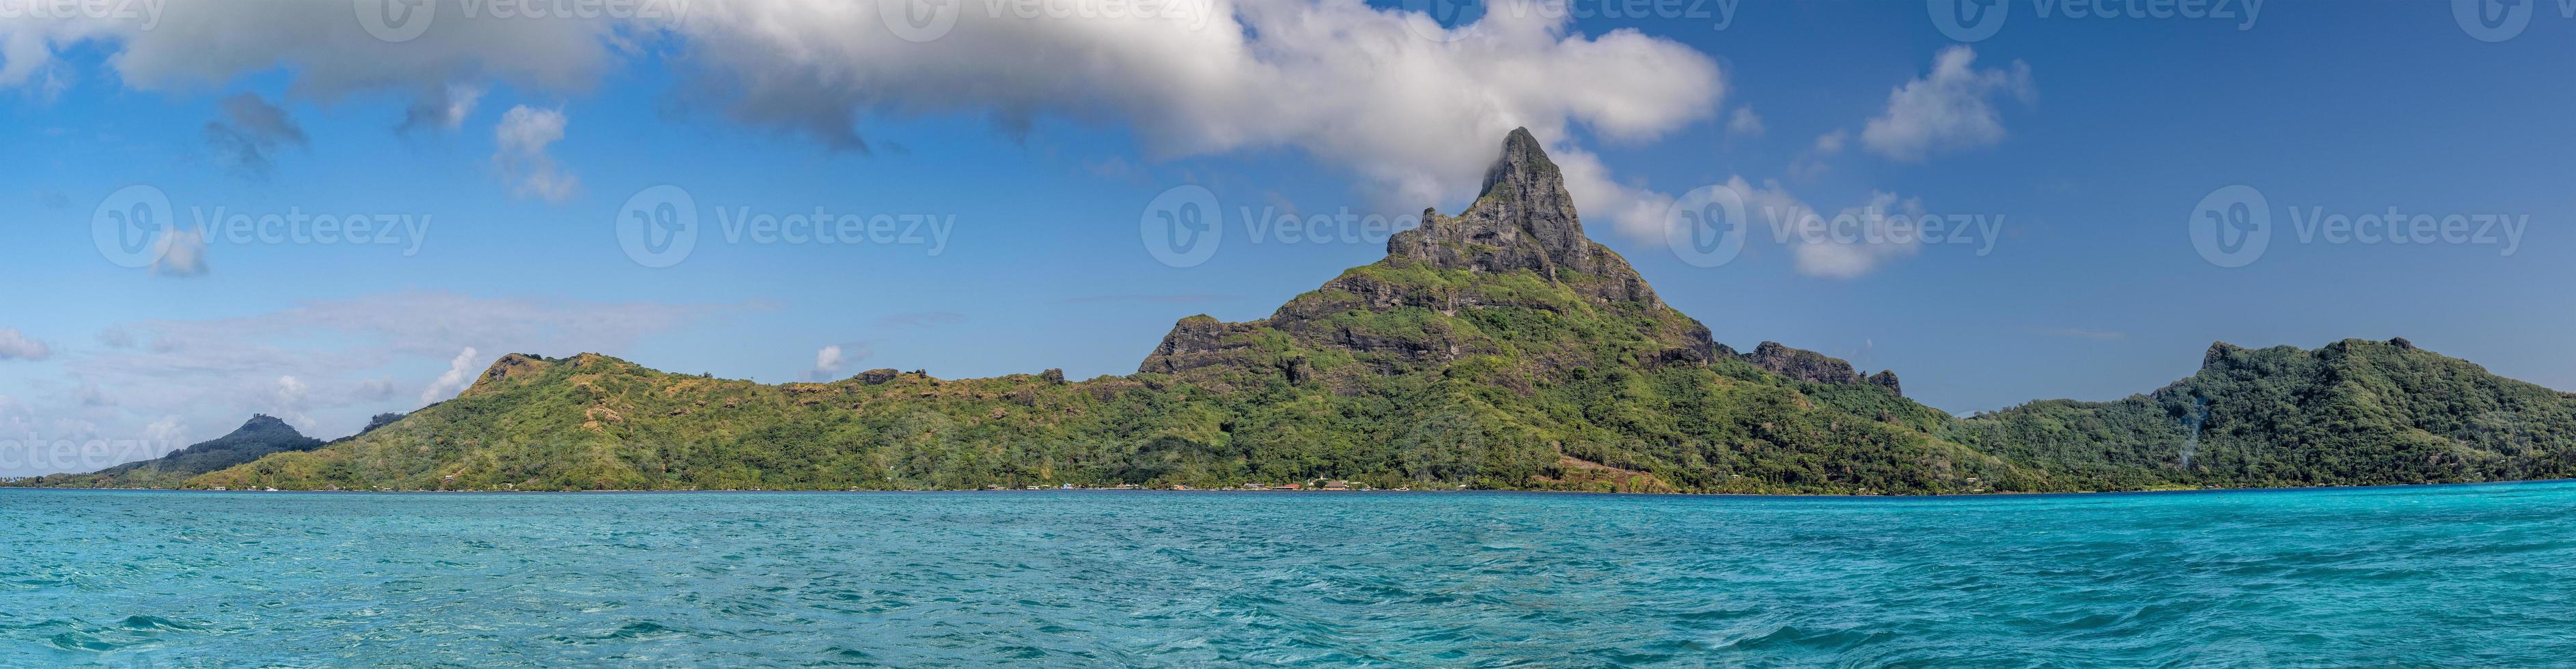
[{"x": 2011, "y": 495}]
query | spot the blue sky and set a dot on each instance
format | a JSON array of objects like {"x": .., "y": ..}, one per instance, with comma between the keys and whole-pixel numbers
[{"x": 1038, "y": 144}]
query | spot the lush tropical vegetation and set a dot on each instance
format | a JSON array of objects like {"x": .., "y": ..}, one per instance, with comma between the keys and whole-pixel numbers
[
  {"x": 1499, "y": 348},
  {"x": 1551, "y": 397},
  {"x": 2352, "y": 413}
]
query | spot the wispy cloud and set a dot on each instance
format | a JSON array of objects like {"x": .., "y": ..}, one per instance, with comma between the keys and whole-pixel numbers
[
  {"x": 15, "y": 345},
  {"x": 251, "y": 131},
  {"x": 522, "y": 137},
  {"x": 1744, "y": 123},
  {"x": 830, "y": 360},
  {"x": 1949, "y": 109},
  {"x": 459, "y": 372}
]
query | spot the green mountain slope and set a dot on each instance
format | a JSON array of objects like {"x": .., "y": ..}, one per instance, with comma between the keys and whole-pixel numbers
[
  {"x": 1498, "y": 348},
  {"x": 593, "y": 422},
  {"x": 2352, "y": 413}
]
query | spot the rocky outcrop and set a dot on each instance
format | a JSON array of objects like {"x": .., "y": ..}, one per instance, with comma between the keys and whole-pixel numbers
[
  {"x": 1887, "y": 379},
  {"x": 1802, "y": 364},
  {"x": 1200, "y": 341},
  {"x": 1813, "y": 367},
  {"x": 512, "y": 366},
  {"x": 879, "y": 376}
]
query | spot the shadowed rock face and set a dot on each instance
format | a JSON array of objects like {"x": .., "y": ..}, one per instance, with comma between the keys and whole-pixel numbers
[
  {"x": 1198, "y": 341},
  {"x": 1886, "y": 378},
  {"x": 1802, "y": 364}
]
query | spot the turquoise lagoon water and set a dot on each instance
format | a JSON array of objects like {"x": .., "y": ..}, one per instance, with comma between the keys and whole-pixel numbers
[{"x": 2390, "y": 576}]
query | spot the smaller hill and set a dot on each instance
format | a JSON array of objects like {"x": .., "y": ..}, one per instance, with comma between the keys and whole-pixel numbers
[
  {"x": 2355, "y": 412},
  {"x": 261, "y": 436}
]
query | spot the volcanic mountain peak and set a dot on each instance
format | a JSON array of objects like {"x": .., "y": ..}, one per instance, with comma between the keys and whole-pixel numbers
[
  {"x": 1512, "y": 277},
  {"x": 1523, "y": 219}
]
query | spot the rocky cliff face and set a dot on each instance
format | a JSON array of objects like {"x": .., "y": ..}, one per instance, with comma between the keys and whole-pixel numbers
[
  {"x": 1520, "y": 247},
  {"x": 1813, "y": 367},
  {"x": 1524, "y": 220}
]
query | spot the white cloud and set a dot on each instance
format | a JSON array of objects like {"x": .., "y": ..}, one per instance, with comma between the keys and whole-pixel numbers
[
  {"x": 1811, "y": 162},
  {"x": 1949, "y": 109},
  {"x": 1349, "y": 84},
  {"x": 829, "y": 361},
  {"x": 15, "y": 345},
  {"x": 1744, "y": 122},
  {"x": 375, "y": 389},
  {"x": 288, "y": 405},
  {"x": 290, "y": 392},
  {"x": 168, "y": 432},
  {"x": 1832, "y": 142},
  {"x": 460, "y": 372},
  {"x": 1847, "y": 244},
  {"x": 180, "y": 252},
  {"x": 1632, "y": 210},
  {"x": 523, "y": 135},
  {"x": 198, "y": 44},
  {"x": 1852, "y": 250},
  {"x": 1767, "y": 203}
]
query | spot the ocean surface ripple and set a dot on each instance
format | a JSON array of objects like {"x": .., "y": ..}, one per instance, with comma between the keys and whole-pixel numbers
[{"x": 2444, "y": 575}]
